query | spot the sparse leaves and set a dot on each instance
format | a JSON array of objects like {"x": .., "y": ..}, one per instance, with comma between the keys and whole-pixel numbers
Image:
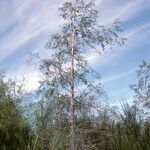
[{"x": 142, "y": 87}]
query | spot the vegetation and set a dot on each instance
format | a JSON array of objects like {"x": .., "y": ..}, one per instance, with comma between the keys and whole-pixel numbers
[
  {"x": 69, "y": 112},
  {"x": 109, "y": 129},
  {"x": 14, "y": 129}
]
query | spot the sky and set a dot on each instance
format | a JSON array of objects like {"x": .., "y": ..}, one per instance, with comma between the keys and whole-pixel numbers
[{"x": 25, "y": 27}]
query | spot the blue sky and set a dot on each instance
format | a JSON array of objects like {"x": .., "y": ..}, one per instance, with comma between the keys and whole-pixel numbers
[{"x": 25, "y": 26}]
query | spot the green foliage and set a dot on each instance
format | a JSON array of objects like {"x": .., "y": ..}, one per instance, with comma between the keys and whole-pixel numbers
[
  {"x": 129, "y": 130},
  {"x": 14, "y": 130},
  {"x": 126, "y": 131}
]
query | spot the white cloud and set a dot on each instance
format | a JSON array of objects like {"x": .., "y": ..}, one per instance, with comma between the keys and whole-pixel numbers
[
  {"x": 30, "y": 24},
  {"x": 31, "y": 74},
  {"x": 32, "y": 82}
]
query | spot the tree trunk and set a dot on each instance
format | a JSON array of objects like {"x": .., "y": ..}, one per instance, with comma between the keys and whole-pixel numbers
[
  {"x": 72, "y": 104},
  {"x": 35, "y": 142}
]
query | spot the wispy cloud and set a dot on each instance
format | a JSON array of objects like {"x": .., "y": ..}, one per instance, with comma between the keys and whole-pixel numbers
[
  {"x": 116, "y": 77},
  {"x": 30, "y": 23},
  {"x": 124, "y": 10},
  {"x": 131, "y": 33}
]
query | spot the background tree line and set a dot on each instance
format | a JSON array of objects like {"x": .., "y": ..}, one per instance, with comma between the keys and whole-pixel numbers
[{"x": 47, "y": 126}]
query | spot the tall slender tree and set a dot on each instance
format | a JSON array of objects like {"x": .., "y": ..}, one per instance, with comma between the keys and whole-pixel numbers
[{"x": 67, "y": 74}]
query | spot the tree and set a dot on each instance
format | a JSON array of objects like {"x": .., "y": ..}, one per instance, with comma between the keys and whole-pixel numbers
[
  {"x": 142, "y": 88},
  {"x": 14, "y": 130},
  {"x": 67, "y": 75}
]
